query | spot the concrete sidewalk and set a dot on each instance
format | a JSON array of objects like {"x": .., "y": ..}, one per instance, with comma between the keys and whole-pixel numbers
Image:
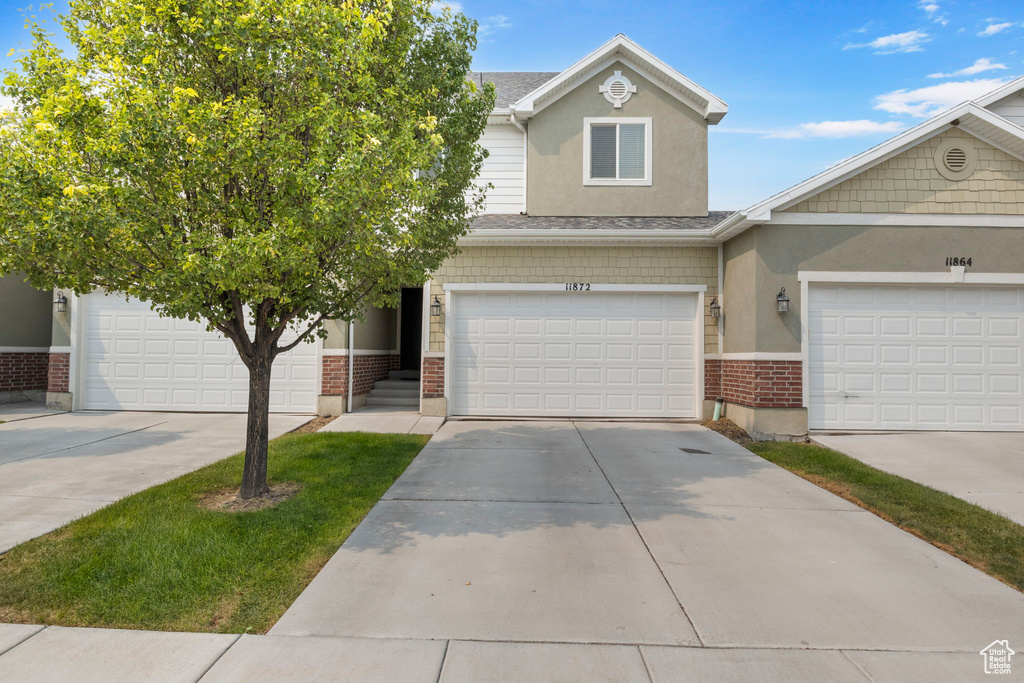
[
  {"x": 26, "y": 410},
  {"x": 385, "y": 420},
  {"x": 107, "y": 656},
  {"x": 984, "y": 468},
  {"x": 57, "y": 468}
]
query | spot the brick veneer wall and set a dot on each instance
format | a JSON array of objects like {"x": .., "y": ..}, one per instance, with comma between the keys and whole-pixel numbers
[
  {"x": 432, "y": 378},
  {"x": 712, "y": 379},
  {"x": 756, "y": 383},
  {"x": 334, "y": 376},
  {"x": 58, "y": 372},
  {"x": 366, "y": 371},
  {"x": 23, "y": 371}
]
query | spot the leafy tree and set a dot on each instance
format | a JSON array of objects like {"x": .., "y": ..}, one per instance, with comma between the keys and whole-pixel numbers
[{"x": 260, "y": 165}]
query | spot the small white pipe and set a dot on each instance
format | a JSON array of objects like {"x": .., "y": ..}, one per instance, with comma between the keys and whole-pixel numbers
[{"x": 351, "y": 367}]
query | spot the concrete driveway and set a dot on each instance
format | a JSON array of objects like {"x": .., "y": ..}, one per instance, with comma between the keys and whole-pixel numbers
[
  {"x": 984, "y": 468},
  {"x": 61, "y": 466},
  {"x": 636, "y": 550}
]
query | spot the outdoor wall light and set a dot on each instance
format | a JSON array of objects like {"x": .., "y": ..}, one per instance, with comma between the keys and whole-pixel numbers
[
  {"x": 435, "y": 308},
  {"x": 60, "y": 303},
  {"x": 715, "y": 308},
  {"x": 782, "y": 301}
]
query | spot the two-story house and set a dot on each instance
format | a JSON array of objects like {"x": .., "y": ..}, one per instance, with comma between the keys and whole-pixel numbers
[{"x": 884, "y": 293}]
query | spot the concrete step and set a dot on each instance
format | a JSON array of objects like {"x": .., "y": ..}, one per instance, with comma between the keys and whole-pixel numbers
[
  {"x": 404, "y": 374},
  {"x": 376, "y": 401},
  {"x": 405, "y": 392},
  {"x": 398, "y": 384}
]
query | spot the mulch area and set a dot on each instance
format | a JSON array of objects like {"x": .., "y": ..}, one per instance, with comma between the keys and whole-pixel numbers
[
  {"x": 314, "y": 425},
  {"x": 227, "y": 500},
  {"x": 729, "y": 430}
]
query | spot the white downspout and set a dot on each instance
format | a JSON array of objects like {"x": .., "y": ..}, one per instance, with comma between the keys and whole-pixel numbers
[
  {"x": 351, "y": 365},
  {"x": 526, "y": 135}
]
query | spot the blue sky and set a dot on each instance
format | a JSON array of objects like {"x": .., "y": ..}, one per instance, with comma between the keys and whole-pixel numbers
[{"x": 808, "y": 83}]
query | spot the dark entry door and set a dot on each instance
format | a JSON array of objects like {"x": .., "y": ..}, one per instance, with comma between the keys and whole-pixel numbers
[{"x": 412, "y": 327}]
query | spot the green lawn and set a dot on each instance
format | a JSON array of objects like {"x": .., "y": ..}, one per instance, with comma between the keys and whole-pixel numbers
[
  {"x": 984, "y": 539},
  {"x": 155, "y": 560}
]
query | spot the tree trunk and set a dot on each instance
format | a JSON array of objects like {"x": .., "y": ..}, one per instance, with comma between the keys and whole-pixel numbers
[{"x": 254, "y": 474}]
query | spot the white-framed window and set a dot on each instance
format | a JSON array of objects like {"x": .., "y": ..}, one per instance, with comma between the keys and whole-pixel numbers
[{"x": 617, "y": 151}]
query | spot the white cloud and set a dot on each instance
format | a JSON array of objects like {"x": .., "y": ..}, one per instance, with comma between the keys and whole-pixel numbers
[
  {"x": 824, "y": 129},
  {"x": 494, "y": 23},
  {"x": 6, "y": 102},
  {"x": 981, "y": 65},
  {"x": 932, "y": 9},
  {"x": 935, "y": 98},
  {"x": 993, "y": 28},
  {"x": 909, "y": 41}
]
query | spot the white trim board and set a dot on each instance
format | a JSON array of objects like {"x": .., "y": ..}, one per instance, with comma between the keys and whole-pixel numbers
[
  {"x": 900, "y": 220},
  {"x": 560, "y": 287},
  {"x": 904, "y": 278},
  {"x": 25, "y": 349},
  {"x": 361, "y": 352},
  {"x": 761, "y": 355}
]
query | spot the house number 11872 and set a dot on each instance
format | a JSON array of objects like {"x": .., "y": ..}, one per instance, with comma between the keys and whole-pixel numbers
[{"x": 577, "y": 286}]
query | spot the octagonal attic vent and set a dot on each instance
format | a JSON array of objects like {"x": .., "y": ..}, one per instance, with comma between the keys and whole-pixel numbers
[
  {"x": 955, "y": 159},
  {"x": 617, "y": 89}
]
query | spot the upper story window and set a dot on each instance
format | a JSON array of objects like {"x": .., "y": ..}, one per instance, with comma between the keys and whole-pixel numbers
[{"x": 617, "y": 151}]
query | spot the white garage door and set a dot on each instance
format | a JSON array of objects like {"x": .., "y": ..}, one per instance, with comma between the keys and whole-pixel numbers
[
  {"x": 135, "y": 360},
  {"x": 943, "y": 358},
  {"x": 588, "y": 354}
]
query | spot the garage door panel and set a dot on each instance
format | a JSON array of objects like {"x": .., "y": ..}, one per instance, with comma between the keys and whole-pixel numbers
[
  {"x": 135, "y": 360},
  {"x": 575, "y": 354},
  {"x": 905, "y": 357}
]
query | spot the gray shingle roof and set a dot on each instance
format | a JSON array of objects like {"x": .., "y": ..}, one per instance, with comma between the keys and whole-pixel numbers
[
  {"x": 496, "y": 221},
  {"x": 510, "y": 86}
]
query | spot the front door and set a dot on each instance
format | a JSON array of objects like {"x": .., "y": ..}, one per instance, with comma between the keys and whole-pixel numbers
[{"x": 412, "y": 327}]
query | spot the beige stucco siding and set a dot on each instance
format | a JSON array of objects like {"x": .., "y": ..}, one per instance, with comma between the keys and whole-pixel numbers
[
  {"x": 555, "y": 155},
  {"x": 765, "y": 258},
  {"x": 910, "y": 183},
  {"x": 559, "y": 264},
  {"x": 25, "y": 312}
]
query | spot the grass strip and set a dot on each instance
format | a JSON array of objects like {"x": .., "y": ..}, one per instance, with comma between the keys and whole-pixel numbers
[{"x": 156, "y": 560}]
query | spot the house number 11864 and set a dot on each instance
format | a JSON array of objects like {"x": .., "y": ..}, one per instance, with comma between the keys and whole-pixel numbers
[
  {"x": 577, "y": 286},
  {"x": 959, "y": 261}
]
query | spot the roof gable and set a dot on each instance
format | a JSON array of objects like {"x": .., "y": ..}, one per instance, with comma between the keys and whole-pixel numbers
[
  {"x": 622, "y": 49},
  {"x": 969, "y": 116},
  {"x": 910, "y": 182}
]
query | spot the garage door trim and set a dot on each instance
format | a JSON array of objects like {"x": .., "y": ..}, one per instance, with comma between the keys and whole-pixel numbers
[
  {"x": 698, "y": 335},
  {"x": 956, "y": 275}
]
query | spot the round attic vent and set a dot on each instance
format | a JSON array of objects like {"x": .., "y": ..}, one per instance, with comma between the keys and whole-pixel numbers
[
  {"x": 955, "y": 159},
  {"x": 617, "y": 89}
]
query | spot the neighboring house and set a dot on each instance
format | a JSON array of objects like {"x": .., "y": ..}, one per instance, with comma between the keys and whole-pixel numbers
[{"x": 587, "y": 287}]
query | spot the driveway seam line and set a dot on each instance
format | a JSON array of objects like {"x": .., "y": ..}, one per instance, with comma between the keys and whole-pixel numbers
[
  {"x": 641, "y": 537},
  {"x": 89, "y": 443},
  {"x": 502, "y": 500},
  {"x": 444, "y": 660},
  {"x": 647, "y": 668},
  {"x": 857, "y": 666},
  {"x": 23, "y": 640},
  {"x": 218, "y": 657}
]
